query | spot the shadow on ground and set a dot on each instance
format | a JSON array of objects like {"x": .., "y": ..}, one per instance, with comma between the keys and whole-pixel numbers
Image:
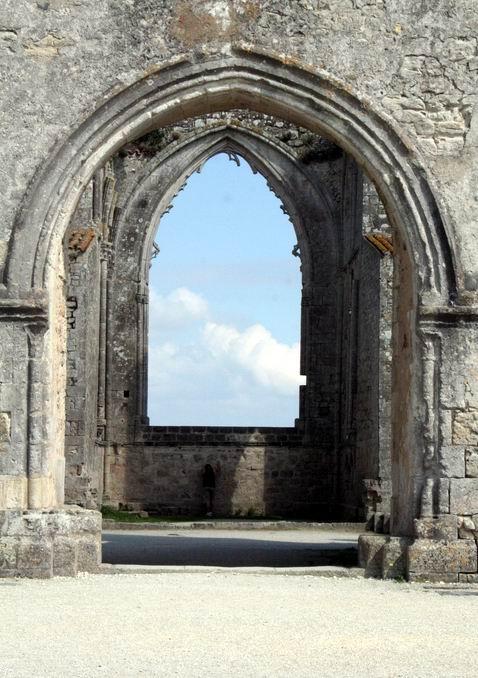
[{"x": 178, "y": 549}]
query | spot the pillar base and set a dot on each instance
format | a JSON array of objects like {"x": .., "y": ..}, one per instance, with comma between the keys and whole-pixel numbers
[
  {"x": 383, "y": 556},
  {"x": 48, "y": 543},
  {"x": 418, "y": 559}
]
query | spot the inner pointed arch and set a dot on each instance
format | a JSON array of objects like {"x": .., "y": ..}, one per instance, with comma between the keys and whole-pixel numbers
[{"x": 225, "y": 302}]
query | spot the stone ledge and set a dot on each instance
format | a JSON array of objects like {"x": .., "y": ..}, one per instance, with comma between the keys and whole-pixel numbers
[
  {"x": 31, "y": 309},
  {"x": 185, "y": 436},
  {"x": 43, "y": 544},
  {"x": 224, "y": 524},
  {"x": 314, "y": 571},
  {"x": 449, "y": 314}
]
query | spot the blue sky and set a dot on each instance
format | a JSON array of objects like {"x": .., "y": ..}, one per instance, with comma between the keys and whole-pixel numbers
[{"x": 224, "y": 305}]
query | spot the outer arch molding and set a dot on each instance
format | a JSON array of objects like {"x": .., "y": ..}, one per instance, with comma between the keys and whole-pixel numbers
[{"x": 244, "y": 80}]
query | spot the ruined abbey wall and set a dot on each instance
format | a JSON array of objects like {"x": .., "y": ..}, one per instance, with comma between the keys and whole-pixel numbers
[
  {"x": 258, "y": 472},
  {"x": 393, "y": 84}
]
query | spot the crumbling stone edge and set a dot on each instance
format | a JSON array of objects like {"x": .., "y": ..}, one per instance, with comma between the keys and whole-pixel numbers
[
  {"x": 433, "y": 554},
  {"x": 46, "y": 543}
]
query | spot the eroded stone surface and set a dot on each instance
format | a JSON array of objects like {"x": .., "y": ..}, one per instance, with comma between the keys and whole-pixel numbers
[
  {"x": 471, "y": 462},
  {"x": 444, "y": 527},
  {"x": 427, "y": 557},
  {"x": 371, "y": 549},
  {"x": 468, "y": 527},
  {"x": 464, "y": 496},
  {"x": 43, "y": 544},
  {"x": 4, "y": 427},
  {"x": 465, "y": 427}
]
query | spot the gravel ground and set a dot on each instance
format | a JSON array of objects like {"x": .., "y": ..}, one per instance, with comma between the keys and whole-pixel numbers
[{"x": 235, "y": 624}]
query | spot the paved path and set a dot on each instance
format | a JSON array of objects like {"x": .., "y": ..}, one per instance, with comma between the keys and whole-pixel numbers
[
  {"x": 229, "y": 548},
  {"x": 235, "y": 625}
]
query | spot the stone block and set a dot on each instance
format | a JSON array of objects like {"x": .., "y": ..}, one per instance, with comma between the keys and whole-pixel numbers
[
  {"x": 370, "y": 553},
  {"x": 429, "y": 557},
  {"x": 5, "y": 427},
  {"x": 47, "y": 543},
  {"x": 464, "y": 496},
  {"x": 13, "y": 492},
  {"x": 465, "y": 427},
  {"x": 452, "y": 461},
  {"x": 443, "y": 527},
  {"x": 467, "y": 527},
  {"x": 468, "y": 578},
  {"x": 444, "y": 496},
  {"x": 76, "y": 520},
  {"x": 471, "y": 462},
  {"x": 8, "y": 555},
  {"x": 430, "y": 578},
  {"x": 64, "y": 557},
  {"x": 4, "y": 521},
  {"x": 34, "y": 558},
  {"x": 394, "y": 557},
  {"x": 89, "y": 554},
  {"x": 378, "y": 519}
]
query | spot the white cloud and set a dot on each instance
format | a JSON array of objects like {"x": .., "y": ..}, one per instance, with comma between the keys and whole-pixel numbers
[
  {"x": 203, "y": 372},
  {"x": 176, "y": 310},
  {"x": 272, "y": 364}
]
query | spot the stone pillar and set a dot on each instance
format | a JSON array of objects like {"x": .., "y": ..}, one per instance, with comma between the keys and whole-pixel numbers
[
  {"x": 102, "y": 338},
  {"x": 86, "y": 375},
  {"x": 40, "y": 482},
  {"x": 445, "y": 548},
  {"x": 443, "y": 545},
  {"x": 376, "y": 368},
  {"x": 142, "y": 300},
  {"x": 38, "y": 536}
]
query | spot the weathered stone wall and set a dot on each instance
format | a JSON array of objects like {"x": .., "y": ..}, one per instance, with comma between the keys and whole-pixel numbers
[
  {"x": 392, "y": 83},
  {"x": 360, "y": 360},
  {"x": 14, "y": 431},
  {"x": 415, "y": 63},
  {"x": 49, "y": 543},
  {"x": 375, "y": 357},
  {"x": 258, "y": 472},
  {"x": 84, "y": 463},
  {"x": 364, "y": 463}
]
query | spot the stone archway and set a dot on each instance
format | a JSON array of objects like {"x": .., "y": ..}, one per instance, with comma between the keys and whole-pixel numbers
[
  {"x": 141, "y": 212},
  {"x": 317, "y": 203},
  {"x": 313, "y": 100},
  {"x": 429, "y": 272}
]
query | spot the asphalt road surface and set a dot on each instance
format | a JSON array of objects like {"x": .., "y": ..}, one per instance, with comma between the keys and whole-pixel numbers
[{"x": 231, "y": 548}]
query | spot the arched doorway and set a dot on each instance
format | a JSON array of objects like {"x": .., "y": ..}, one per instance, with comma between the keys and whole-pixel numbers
[{"x": 427, "y": 274}]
